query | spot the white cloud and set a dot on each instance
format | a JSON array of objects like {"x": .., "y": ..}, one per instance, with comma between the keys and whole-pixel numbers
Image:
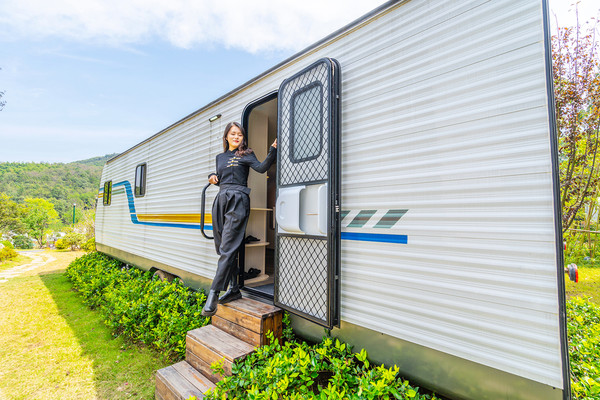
[{"x": 253, "y": 26}]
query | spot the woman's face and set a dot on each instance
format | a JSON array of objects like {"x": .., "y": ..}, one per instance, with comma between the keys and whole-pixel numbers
[{"x": 234, "y": 137}]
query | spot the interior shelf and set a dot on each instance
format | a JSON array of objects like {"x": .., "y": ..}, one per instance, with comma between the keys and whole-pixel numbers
[{"x": 257, "y": 244}]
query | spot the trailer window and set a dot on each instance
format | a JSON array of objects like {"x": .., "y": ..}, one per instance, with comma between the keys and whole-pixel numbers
[
  {"x": 107, "y": 194},
  {"x": 306, "y": 122},
  {"x": 140, "y": 180}
]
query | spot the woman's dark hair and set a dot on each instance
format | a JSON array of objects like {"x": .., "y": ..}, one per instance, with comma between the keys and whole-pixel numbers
[{"x": 242, "y": 149}]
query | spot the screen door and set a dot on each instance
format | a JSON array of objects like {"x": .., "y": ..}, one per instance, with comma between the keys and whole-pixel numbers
[{"x": 307, "y": 208}]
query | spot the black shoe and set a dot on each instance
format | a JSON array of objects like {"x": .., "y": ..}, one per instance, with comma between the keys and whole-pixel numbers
[
  {"x": 251, "y": 273},
  {"x": 230, "y": 295},
  {"x": 210, "y": 308},
  {"x": 250, "y": 239}
]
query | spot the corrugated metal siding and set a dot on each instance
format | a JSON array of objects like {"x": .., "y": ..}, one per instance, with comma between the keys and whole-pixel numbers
[
  {"x": 452, "y": 124},
  {"x": 444, "y": 114}
]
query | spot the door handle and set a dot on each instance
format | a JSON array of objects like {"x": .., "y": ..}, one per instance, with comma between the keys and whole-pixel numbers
[{"x": 202, "y": 209}]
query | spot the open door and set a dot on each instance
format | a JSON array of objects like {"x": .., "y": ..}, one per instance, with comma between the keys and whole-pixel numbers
[{"x": 307, "y": 209}]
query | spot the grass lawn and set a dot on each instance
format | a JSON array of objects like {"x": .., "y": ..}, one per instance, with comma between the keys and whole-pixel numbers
[
  {"x": 588, "y": 286},
  {"x": 53, "y": 347}
]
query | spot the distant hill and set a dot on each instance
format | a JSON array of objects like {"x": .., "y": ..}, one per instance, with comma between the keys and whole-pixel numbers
[
  {"x": 62, "y": 184},
  {"x": 96, "y": 160}
]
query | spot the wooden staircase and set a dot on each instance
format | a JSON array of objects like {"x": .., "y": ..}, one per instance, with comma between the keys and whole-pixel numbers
[{"x": 237, "y": 329}]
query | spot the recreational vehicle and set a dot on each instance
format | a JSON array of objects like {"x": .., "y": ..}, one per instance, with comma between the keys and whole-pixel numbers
[{"x": 413, "y": 209}]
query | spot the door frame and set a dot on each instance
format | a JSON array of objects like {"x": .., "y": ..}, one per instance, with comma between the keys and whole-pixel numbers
[{"x": 333, "y": 236}]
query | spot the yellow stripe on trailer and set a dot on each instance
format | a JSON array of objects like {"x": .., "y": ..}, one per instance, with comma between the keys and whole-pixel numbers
[{"x": 187, "y": 218}]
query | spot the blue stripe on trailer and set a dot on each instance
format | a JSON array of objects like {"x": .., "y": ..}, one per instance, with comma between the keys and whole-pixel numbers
[
  {"x": 375, "y": 237},
  {"x": 133, "y": 213},
  {"x": 364, "y": 237}
]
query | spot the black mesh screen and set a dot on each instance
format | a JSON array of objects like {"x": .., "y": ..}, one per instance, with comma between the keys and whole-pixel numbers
[
  {"x": 304, "y": 110},
  {"x": 303, "y": 277},
  {"x": 302, "y": 284}
]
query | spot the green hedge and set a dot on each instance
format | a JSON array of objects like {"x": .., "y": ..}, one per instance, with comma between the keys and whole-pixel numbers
[
  {"x": 137, "y": 305},
  {"x": 144, "y": 309},
  {"x": 584, "y": 348},
  {"x": 296, "y": 370}
]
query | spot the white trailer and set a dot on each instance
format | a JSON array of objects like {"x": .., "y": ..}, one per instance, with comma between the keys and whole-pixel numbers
[{"x": 414, "y": 206}]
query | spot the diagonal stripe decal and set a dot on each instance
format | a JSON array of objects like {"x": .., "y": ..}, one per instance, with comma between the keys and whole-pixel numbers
[
  {"x": 343, "y": 214},
  {"x": 381, "y": 219},
  {"x": 362, "y": 218},
  {"x": 390, "y": 218}
]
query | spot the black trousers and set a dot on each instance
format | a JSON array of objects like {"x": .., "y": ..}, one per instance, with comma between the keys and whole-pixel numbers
[{"x": 230, "y": 212}]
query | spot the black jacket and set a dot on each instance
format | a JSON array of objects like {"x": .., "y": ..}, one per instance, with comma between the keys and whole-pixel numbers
[{"x": 233, "y": 170}]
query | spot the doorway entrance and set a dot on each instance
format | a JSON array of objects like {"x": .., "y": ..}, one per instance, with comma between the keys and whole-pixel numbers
[
  {"x": 292, "y": 249},
  {"x": 257, "y": 258}
]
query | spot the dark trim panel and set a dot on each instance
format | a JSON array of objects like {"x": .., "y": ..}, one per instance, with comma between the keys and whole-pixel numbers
[
  {"x": 562, "y": 312},
  {"x": 335, "y": 192}
]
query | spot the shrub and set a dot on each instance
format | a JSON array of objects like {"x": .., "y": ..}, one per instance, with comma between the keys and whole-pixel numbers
[
  {"x": 8, "y": 244},
  {"x": 22, "y": 242},
  {"x": 73, "y": 239},
  {"x": 137, "y": 306},
  {"x": 61, "y": 244},
  {"x": 6, "y": 253},
  {"x": 583, "y": 325},
  {"x": 296, "y": 370},
  {"x": 89, "y": 245}
]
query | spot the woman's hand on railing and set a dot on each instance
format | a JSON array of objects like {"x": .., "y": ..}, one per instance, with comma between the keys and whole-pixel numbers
[{"x": 213, "y": 179}]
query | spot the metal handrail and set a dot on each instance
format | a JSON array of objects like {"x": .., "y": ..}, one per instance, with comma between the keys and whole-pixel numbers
[{"x": 202, "y": 208}]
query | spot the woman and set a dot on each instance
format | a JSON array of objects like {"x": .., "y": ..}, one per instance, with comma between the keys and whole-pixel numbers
[{"x": 231, "y": 209}]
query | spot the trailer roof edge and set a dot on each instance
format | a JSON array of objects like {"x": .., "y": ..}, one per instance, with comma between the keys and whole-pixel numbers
[{"x": 295, "y": 56}]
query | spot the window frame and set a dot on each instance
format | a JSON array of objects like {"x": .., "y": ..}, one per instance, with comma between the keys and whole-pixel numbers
[
  {"x": 107, "y": 193},
  {"x": 142, "y": 186},
  {"x": 299, "y": 92}
]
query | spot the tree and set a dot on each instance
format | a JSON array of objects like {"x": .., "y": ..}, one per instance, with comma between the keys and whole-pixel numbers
[
  {"x": 22, "y": 242},
  {"x": 10, "y": 215},
  {"x": 40, "y": 216},
  {"x": 86, "y": 224},
  {"x": 577, "y": 95}
]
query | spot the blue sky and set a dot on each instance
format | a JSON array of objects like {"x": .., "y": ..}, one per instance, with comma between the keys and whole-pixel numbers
[{"x": 92, "y": 77}]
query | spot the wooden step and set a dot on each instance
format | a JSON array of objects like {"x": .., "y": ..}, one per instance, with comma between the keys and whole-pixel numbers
[
  {"x": 179, "y": 382},
  {"x": 249, "y": 320},
  {"x": 209, "y": 344}
]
